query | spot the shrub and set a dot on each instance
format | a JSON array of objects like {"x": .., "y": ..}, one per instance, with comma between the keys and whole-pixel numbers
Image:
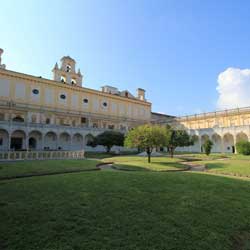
[
  {"x": 207, "y": 146},
  {"x": 243, "y": 147}
]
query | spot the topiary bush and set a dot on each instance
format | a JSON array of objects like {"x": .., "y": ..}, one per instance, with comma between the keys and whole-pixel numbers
[{"x": 243, "y": 147}]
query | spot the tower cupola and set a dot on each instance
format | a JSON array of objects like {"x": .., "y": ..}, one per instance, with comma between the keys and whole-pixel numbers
[{"x": 66, "y": 73}]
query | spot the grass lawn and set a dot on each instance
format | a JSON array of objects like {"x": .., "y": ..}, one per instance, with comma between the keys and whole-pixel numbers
[
  {"x": 141, "y": 163},
  {"x": 106, "y": 210},
  {"x": 41, "y": 167},
  {"x": 232, "y": 166}
]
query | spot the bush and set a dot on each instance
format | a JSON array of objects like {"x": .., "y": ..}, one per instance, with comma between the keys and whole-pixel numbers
[
  {"x": 208, "y": 144},
  {"x": 243, "y": 147}
]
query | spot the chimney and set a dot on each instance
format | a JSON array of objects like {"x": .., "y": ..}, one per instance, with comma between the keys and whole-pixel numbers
[
  {"x": 2, "y": 66},
  {"x": 141, "y": 94}
]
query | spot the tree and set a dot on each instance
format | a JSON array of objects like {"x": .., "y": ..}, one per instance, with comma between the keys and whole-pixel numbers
[
  {"x": 177, "y": 138},
  {"x": 243, "y": 147},
  {"x": 146, "y": 137},
  {"x": 109, "y": 139},
  {"x": 207, "y": 145}
]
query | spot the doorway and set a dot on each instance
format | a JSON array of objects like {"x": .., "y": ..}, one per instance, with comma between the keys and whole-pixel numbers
[
  {"x": 32, "y": 143},
  {"x": 16, "y": 143}
]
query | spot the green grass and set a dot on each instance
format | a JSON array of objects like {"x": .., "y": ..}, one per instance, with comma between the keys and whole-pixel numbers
[
  {"x": 42, "y": 167},
  {"x": 124, "y": 211},
  {"x": 229, "y": 167},
  {"x": 141, "y": 163},
  {"x": 121, "y": 210}
]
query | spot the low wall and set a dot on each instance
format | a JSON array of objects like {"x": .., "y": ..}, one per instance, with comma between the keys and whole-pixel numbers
[{"x": 40, "y": 155}]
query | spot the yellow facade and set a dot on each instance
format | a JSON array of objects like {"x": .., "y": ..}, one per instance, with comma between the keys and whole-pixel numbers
[{"x": 64, "y": 108}]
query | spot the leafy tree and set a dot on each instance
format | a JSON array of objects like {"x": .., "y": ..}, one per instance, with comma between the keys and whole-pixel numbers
[
  {"x": 177, "y": 138},
  {"x": 109, "y": 139},
  {"x": 243, "y": 147},
  {"x": 91, "y": 141},
  {"x": 207, "y": 145},
  {"x": 146, "y": 137}
]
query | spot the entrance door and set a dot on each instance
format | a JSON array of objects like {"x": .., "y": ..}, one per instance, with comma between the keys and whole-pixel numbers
[
  {"x": 16, "y": 143},
  {"x": 233, "y": 149}
]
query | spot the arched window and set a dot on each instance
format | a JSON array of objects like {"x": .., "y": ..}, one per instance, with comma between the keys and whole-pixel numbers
[
  {"x": 63, "y": 79},
  {"x": 18, "y": 119}
]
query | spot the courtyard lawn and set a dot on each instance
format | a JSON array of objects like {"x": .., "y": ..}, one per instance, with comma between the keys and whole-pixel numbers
[
  {"x": 23, "y": 168},
  {"x": 234, "y": 167},
  {"x": 141, "y": 163},
  {"x": 106, "y": 210}
]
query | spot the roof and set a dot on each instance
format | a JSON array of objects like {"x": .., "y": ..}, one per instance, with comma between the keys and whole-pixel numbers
[
  {"x": 68, "y": 58},
  {"x": 163, "y": 115}
]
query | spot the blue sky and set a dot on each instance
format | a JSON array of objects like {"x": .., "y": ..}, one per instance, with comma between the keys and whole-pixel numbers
[{"x": 173, "y": 49}]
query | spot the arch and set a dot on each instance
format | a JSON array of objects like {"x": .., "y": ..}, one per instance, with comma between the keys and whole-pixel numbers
[
  {"x": 17, "y": 141},
  {"x": 196, "y": 146},
  {"x": 77, "y": 141},
  {"x": 35, "y": 140},
  {"x": 89, "y": 139},
  {"x": 203, "y": 139},
  {"x": 217, "y": 143},
  {"x": 18, "y": 118},
  {"x": 241, "y": 137},
  {"x": 228, "y": 142},
  {"x": 4, "y": 140},
  {"x": 32, "y": 143},
  {"x": 64, "y": 142},
  {"x": 50, "y": 141}
]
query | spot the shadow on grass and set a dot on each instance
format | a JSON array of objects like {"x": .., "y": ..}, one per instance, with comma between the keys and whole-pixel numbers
[{"x": 211, "y": 166}]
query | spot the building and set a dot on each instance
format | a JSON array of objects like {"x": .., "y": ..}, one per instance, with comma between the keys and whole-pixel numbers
[
  {"x": 225, "y": 128},
  {"x": 38, "y": 114},
  {"x": 61, "y": 114}
]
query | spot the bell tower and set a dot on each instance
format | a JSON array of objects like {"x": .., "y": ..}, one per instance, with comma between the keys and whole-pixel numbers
[{"x": 67, "y": 73}]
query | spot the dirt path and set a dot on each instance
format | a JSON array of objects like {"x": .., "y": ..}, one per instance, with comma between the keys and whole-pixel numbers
[{"x": 194, "y": 166}]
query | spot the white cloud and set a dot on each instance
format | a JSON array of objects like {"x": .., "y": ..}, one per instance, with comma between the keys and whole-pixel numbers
[{"x": 234, "y": 88}]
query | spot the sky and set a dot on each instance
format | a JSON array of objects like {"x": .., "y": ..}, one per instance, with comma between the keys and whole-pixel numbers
[{"x": 189, "y": 56}]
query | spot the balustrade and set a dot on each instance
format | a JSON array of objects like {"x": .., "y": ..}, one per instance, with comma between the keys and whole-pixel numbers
[{"x": 40, "y": 155}]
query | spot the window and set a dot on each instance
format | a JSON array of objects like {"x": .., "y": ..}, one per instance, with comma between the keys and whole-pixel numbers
[
  {"x": 18, "y": 119},
  {"x": 73, "y": 81},
  {"x": 95, "y": 125},
  {"x": 62, "y": 96},
  {"x": 1, "y": 141},
  {"x": 85, "y": 100},
  {"x": 126, "y": 94},
  {"x": 33, "y": 118},
  {"x": 47, "y": 121},
  {"x": 73, "y": 123},
  {"x": 68, "y": 68},
  {"x": 104, "y": 104},
  {"x": 63, "y": 79},
  {"x": 83, "y": 120},
  {"x": 111, "y": 126},
  {"x": 35, "y": 91},
  {"x": 1, "y": 117}
]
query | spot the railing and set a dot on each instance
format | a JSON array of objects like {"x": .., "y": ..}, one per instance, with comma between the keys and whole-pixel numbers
[{"x": 40, "y": 155}]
